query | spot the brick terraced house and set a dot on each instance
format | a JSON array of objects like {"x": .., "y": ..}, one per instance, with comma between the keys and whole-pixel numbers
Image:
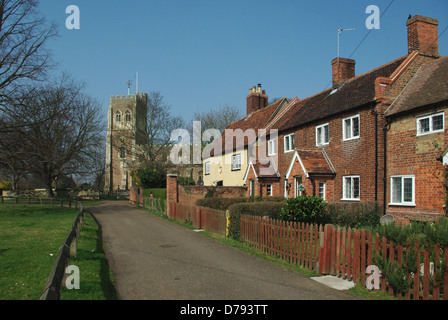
[
  {"x": 417, "y": 142},
  {"x": 379, "y": 136}
]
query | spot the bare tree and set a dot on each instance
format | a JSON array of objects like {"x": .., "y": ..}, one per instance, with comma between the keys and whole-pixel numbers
[
  {"x": 66, "y": 143},
  {"x": 23, "y": 57},
  {"x": 218, "y": 118},
  {"x": 13, "y": 160}
]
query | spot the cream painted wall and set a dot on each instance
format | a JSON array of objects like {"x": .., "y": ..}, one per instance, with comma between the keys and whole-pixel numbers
[{"x": 221, "y": 169}]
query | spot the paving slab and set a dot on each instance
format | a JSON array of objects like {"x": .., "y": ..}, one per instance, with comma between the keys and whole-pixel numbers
[{"x": 335, "y": 282}]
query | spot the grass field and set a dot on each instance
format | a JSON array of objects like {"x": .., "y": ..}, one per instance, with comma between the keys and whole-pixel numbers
[{"x": 30, "y": 237}]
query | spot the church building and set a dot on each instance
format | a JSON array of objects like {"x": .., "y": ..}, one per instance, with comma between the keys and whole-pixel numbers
[{"x": 126, "y": 127}]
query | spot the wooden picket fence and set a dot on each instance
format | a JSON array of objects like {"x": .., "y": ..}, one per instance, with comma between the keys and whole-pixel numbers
[
  {"x": 208, "y": 219},
  {"x": 297, "y": 243},
  {"x": 346, "y": 253}
]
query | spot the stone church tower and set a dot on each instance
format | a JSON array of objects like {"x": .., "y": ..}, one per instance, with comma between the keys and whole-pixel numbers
[{"x": 126, "y": 127}]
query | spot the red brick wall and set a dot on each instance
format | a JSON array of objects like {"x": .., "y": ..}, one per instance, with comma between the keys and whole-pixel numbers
[
  {"x": 351, "y": 157},
  {"x": 189, "y": 195},
  {"x": 134, "y": 194},
  {"x": 410, "y": 154}
]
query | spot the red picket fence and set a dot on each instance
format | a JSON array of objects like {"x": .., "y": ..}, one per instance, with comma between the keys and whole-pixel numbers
[
  {"x": 347, "y": 253},
  {"x": 200, "y": 217},
  {"x": 296, "y": 243}
]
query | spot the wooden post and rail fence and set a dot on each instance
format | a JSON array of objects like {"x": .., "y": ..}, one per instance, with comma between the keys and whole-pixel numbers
[
  {"x": 330, "y": 250},
  {"x": 68, "y": 248}
]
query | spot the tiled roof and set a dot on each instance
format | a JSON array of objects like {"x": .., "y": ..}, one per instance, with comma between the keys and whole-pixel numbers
[
  {"x": 316, "y": 162},
  {"x": 263, "y": 168},
  {"x": 428, "y": 86},
  {"x": 352, "y": 93},
  {"x": 256, "y": 120}
]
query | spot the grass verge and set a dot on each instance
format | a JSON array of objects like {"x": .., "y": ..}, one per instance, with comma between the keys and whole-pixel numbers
[
  {"x": 30, "y": 238},
  {"x": 97, "y": 281}
]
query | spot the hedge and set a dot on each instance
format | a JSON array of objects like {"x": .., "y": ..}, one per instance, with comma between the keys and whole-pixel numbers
[
  {"x": 157, "y": 193},
  {"x": 258, "y": 208},
  {"x": 353, "y": 214},
  {"x": 219, "y": 203},
  {"x": 224, "y": 203}
]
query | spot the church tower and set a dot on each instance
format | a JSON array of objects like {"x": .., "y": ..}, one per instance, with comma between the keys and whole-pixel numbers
[{"x": 126, "y": 128}]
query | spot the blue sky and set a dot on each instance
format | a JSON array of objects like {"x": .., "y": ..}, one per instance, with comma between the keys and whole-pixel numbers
[{"x": 202, "y": 54}]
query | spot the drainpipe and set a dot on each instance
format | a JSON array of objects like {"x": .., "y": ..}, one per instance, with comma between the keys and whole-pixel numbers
[
  {"x": 385, "y": 129},
  {"x": 376, "y": 149},
  {"x": 314, "y": 186}
]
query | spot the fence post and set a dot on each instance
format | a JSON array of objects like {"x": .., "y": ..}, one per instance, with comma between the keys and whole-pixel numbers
[
  {"x": 445, "y": 280},
  {"x": 425, "y": 273},
  {"x": 326, "y": 250}
]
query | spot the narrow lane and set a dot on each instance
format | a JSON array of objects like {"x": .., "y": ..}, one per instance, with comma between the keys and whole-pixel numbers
[{"x": 153, "y": 258}]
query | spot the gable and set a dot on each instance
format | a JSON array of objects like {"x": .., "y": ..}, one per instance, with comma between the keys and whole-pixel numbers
[{"x": 312, "y": 163}]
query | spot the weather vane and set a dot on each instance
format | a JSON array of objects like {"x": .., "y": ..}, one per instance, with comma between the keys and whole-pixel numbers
[{"x": 129, "y": 87}]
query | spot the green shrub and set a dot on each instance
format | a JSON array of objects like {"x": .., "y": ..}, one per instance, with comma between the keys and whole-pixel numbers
[
  {"x": 5, "y": 185},
  {"x": 157, "y": 193},
  {"x": 219, "y": 203},
  {"x": 353, "y": 214},
  {"x": 265, "y": 208},
  {"x": 437, "y": 232},
  {"x": 304, "y": 209},
  {"x": 186, "y": 181},
  {"x": 401, "y": 234},
  {"x": 267, "y": 199},
  {"x": 224, "y": 203}
]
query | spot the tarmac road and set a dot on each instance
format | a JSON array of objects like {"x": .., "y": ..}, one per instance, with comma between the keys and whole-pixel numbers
[{"x": 155, "y": 259}]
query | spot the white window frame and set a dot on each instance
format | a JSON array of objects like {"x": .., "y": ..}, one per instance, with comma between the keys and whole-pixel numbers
[
  {"x": 431, "y": 124},
  {"x": 324, "y": 187},
  {"x": 352, "y": 186},
  {"x": 288, "y": 143},
  {"x": 298, "y": 181},
  {"x": 207, "y": 168},
  {"x": 402, "y": 203},
  {"x": 236, "y": 162},
  {"x": 321, "y": 128},
  {"x": 285, "y": 190},
  {"x": 352, "y": 136},
  {"x": 272, "y": 147},
  {"x": 269, "y": 189}
]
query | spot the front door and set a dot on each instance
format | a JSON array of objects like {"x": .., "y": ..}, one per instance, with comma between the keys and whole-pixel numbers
[{"x": 252, "y": 188}]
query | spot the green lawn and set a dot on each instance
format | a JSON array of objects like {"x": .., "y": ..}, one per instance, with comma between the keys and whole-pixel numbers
[
  {"x": 96, "y": 279},
  {"x": 30, "y": 237}
]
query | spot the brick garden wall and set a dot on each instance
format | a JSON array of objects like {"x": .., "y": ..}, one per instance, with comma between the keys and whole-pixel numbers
[{"x": 176, "y": 193}]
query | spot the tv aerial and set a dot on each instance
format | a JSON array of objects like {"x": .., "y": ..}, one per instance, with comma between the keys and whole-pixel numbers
[{"x": 340, "y": 30}]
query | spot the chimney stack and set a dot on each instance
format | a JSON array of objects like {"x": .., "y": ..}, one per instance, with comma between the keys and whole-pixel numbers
[
  {"x": 342, "y": 69},
  {"x": 257, "y": 99},
  {"x": 423, "y": 35}
]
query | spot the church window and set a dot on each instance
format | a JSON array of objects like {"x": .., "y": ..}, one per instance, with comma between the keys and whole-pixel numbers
[
  {"x": 118, "y": 116},
  {"x": 128, "y": 116}
]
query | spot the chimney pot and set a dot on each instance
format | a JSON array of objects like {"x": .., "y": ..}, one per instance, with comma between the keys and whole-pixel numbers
[
  {"x": 257, "y": 99},
  {"x": 342, "y": 69},
  {"x": 423, "y": 35}
]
